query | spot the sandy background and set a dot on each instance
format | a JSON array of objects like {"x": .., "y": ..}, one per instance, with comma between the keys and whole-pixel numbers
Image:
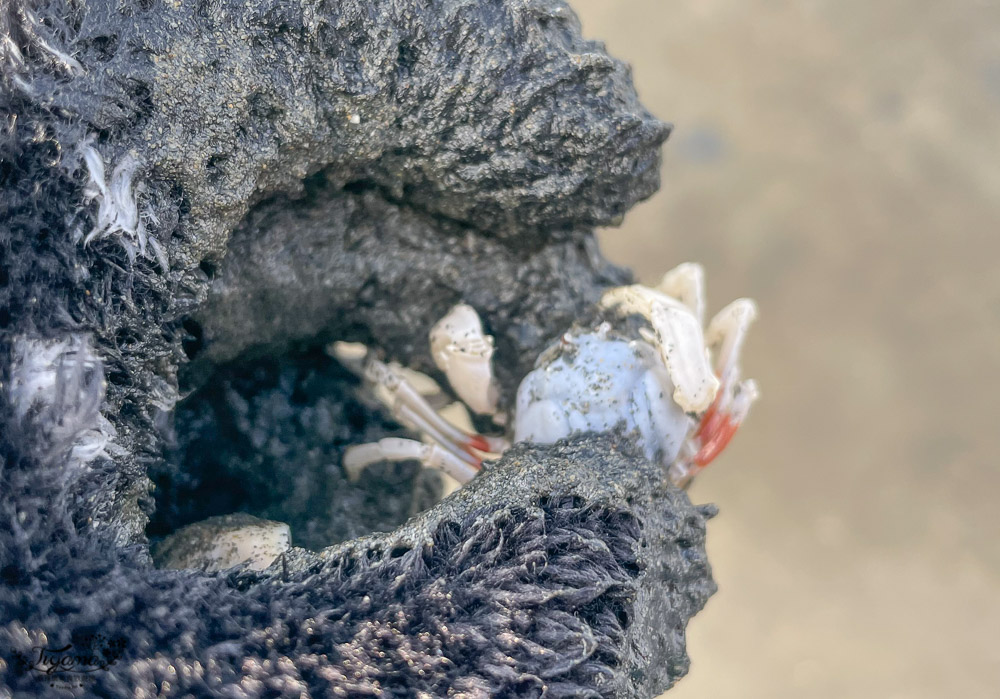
[{"x": 840, "y": 163}]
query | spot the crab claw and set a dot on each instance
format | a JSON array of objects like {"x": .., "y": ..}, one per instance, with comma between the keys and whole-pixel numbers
[
  {"x": 464, "y": 353},
  {"x": 686, "y": 283},
  {"x": 677, "y": 336}
]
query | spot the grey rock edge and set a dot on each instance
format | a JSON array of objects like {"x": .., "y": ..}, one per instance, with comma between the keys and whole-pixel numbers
[{"x": 315, "y": 171}]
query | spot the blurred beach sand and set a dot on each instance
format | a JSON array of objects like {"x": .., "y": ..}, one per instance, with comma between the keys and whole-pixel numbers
[{"x": 840, "y": 163}]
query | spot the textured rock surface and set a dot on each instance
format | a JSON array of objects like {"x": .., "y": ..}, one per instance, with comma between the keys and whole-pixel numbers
[
  {"x": 355, "y": 267},
  {"x": 214, "y": 190},
  {"x": 569, "y": 570}
]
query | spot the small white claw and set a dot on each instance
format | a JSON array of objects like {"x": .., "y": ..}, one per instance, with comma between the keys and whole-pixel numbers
[
  {"x": 464, "y": 353},
  {"x": 678, "y": 337},
  {"x": 682, "y": 346}
]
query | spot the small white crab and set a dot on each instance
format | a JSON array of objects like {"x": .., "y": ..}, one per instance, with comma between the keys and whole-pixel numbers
[{"x": 674, "y": 385}]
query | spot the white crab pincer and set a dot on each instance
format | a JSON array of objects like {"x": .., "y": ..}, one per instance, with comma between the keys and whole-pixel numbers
[
  {"x": 464, "y": 353},
  {"x": 672, "y": 384}
]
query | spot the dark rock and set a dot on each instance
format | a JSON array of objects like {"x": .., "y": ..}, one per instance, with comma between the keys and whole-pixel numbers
[{"x": 278, "y": 174}]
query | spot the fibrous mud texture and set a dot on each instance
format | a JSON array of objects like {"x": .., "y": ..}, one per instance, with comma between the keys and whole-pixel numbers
[{"x": 196, "y": 199}]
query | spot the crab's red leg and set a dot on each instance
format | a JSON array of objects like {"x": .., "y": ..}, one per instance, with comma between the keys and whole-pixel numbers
[
  {"x": 716, "y": 441},
  {"x": 479, "y": 442},
  {"x": 710, "y": 421},
  {"x": 720, "y": 423}
]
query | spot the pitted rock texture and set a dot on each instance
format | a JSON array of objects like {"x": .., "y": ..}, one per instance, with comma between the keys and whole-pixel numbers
[
  {"x": 495, "y": 114},
  {"x": 530, "y": 581},
  {"x": 282, "y": 174}
]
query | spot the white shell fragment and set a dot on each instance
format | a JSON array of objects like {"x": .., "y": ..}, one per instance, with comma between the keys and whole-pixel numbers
[
  {"x": 218, "y": 543},
  {"x": 678, "y": 337},
  {"x": 464, "y": 353}
]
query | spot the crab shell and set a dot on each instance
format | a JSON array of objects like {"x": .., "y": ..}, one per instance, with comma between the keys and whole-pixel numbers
[
  {"x": 597, "y": 381},
  {"x": 656, "y": 380}
]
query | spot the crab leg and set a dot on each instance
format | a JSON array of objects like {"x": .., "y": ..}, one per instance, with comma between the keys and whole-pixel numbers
[
  {"x": 714, "y": 436},
  {"x": 358, "y": 457},
  {"x": 686, "y": 283},
  {"x": 727, "y": 331},
  {"x": 405, "y": 395},
  {"x": 413, "y": 410},
  {"x": 416, "y": 420}
]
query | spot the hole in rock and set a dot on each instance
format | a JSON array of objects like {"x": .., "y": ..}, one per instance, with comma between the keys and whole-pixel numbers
[
  {"x": 265, "y": 436},
  {"x": 194, "y": 340},
  {"x": 208, "y": 267},
  {"x": 105, "y": 46}
]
